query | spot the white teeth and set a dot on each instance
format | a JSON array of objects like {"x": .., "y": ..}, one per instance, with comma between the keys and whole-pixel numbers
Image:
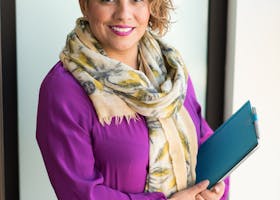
[{"x": 123, "y": 30}]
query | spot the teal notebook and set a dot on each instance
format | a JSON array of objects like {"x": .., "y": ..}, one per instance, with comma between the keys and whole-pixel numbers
[{"x": 230, "y": 144}]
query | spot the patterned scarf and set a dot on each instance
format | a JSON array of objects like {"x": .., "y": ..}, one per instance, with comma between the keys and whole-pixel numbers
[{"x": 156, "y": 91}]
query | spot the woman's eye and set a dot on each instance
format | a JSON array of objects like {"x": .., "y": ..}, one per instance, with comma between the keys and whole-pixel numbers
[
  {"x": 110, "y": 1},
  {"x": 107, "y": 1}
]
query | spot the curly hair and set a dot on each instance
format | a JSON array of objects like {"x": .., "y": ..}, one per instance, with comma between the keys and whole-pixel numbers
[{"x": 160, "y": 15}]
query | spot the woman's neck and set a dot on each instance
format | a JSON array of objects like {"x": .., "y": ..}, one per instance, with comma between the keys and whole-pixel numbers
[{"x": 127, "y": 57}]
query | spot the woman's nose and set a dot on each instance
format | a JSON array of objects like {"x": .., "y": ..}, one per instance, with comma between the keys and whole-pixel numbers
[{"x": 123, "y": 11}]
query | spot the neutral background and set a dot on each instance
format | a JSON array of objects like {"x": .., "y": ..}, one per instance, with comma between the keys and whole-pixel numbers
[
  {"x": 41, "y": 31},
  {"x": 253, "y": 72}
]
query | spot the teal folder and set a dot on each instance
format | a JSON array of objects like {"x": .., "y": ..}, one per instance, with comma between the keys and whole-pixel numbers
[{"x": 230, "y": 144}]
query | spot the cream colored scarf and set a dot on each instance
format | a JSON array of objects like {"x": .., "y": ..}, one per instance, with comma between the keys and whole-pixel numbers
[{"x": 157, "y": 91}]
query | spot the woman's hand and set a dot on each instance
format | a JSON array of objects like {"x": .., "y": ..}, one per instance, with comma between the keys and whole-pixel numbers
[
  {"x": 192, "y": 192},
  {"x": 200, "y": 192},
  {"x": 214, "y": 193}
]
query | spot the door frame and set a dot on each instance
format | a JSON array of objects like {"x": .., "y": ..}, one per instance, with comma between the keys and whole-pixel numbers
[
  {"x": 9, "y": 111},
  {"x": 2, "y": 187},
  {"x": 216, "y": 62}
]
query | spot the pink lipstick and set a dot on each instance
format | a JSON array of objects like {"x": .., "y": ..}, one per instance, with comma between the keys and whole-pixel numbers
[{"x": 122, "y": 30}]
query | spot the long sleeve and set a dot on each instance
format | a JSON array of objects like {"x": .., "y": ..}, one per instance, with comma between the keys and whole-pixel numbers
[
  {"x": 203, "y": 129},
  {"x": 64, "y": 135}
]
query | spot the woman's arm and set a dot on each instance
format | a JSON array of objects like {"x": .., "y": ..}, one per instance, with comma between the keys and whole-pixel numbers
[{"x": 64, "y": 124}]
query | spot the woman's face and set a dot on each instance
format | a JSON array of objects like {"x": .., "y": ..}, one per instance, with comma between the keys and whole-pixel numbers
[{"x": 117, "y": 24}]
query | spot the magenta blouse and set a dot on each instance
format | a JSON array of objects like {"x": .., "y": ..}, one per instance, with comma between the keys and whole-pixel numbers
[{"x": 88, "y": 161}]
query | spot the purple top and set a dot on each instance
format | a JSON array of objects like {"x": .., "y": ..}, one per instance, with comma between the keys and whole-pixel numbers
[{"x": 87, "y": 161}]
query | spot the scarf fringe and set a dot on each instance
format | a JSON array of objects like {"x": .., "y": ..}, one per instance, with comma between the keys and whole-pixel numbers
[{"x": 118, "y": 119}]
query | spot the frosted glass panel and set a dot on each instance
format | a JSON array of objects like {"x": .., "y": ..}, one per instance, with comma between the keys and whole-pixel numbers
[
  {"x": 41, "y": 30},
  {"x": 189, "y": 35}
]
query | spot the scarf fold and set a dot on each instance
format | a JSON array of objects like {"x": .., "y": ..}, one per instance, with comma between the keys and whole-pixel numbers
[{"x": 156, "y": 91}]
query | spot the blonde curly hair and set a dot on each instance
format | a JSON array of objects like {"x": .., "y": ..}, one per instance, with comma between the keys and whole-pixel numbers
[{"x": 160, "y": 15}]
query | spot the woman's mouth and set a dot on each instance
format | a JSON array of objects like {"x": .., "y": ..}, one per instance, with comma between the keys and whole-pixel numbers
[{"x": 122, "y": 30}]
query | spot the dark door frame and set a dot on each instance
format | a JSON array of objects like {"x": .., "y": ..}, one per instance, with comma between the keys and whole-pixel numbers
[
  {"x": 9, "y": 183},
  {"x": 9, "y": 129},
  {"x": 2, "y": 187},
  {"x": 217, "y": 37}
]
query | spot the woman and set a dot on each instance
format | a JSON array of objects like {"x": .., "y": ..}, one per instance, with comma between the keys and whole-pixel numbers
[{"x": 117, "y": 116}]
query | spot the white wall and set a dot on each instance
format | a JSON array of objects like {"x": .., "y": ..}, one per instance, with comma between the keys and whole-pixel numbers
[
  {"x": 253, "y": 63},
  {"x": 41, "y": 32}
]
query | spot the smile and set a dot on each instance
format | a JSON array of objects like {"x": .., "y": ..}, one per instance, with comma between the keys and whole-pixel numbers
[{"x": 121, "y": 30}]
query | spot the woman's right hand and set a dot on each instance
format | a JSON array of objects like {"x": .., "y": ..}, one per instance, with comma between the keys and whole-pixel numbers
[{"x": 190, "y": 193}]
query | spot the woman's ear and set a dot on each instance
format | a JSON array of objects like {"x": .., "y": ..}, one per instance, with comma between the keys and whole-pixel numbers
[{"x": 83, "y": 6}]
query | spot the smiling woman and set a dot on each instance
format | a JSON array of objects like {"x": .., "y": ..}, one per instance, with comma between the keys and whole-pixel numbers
[
  {"x": 36, "y": 61},
  {"x": 118, "y": 116}
]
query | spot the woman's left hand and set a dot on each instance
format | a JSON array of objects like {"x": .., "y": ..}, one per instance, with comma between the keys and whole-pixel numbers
[{"x": 215, "y": 193}]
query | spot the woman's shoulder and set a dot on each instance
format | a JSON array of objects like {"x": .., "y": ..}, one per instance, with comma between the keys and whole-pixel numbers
[
  {"x": 60, "y": 83},
  {"x": 60, "y": 89},
  {"x": 58, "y": 78}
]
